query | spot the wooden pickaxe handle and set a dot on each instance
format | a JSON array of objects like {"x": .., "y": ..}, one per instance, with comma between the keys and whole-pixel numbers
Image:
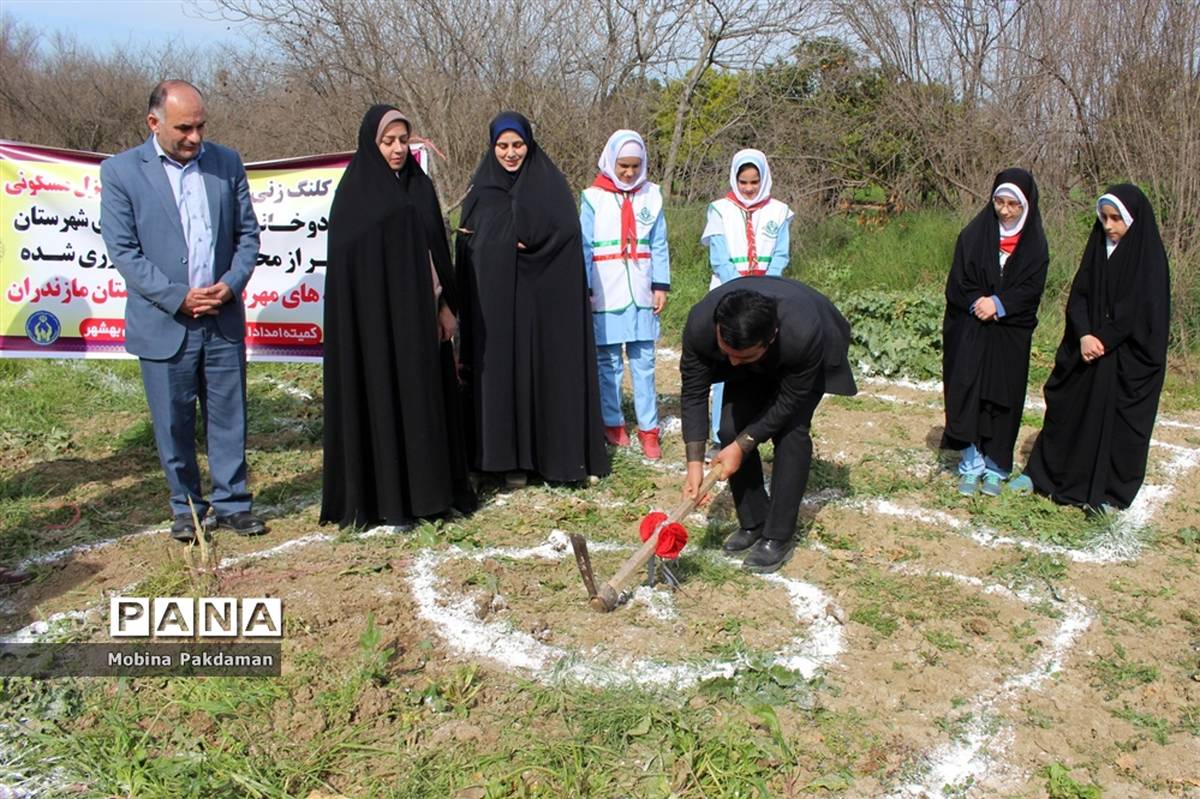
[{"x": 606, "y": 598}]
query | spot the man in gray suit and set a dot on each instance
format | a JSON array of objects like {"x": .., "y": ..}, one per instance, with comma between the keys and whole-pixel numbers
[{"x": 176, "y": 218}]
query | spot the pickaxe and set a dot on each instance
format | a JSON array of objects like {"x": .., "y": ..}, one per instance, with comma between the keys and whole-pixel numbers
[{"x": 606, "y": 598}]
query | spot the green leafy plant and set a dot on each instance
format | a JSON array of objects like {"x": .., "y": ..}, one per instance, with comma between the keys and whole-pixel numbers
[
  {"x": 373, "y": 655},
  {"x": 896, "y": 333},
  {"x": 1059, "y": 784}
]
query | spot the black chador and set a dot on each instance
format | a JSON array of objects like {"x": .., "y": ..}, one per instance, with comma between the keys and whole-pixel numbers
[
  {"x": 393, "y": 433},
  {"x": 985, "y": 364},
  {"x": 1099, "y": 415},
  {"x": 528, "y": 353}
]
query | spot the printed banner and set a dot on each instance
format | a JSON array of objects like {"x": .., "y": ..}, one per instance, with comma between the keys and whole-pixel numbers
[{"x": 63, "y": 297}]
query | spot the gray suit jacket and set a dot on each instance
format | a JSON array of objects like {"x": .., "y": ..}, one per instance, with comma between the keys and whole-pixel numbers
[{"x": 140, "y": 224}]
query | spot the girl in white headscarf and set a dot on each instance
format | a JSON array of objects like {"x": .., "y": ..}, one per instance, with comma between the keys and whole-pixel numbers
[
  {"x": 993, "y": 290},
  {"x": 746, "y": 233},
  {"x": 629, "y": 275}
]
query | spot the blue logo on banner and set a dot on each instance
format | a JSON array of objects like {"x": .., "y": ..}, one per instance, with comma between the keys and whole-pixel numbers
[{"x": 43, "y": 328}]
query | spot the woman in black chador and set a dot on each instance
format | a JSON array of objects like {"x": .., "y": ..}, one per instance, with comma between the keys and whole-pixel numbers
[
  {"x": 1102, "y": 397},
  {"x": 393, "y": 434},
  {"x": 992, "y": 297},
  {"x": 527, "y": 351}
]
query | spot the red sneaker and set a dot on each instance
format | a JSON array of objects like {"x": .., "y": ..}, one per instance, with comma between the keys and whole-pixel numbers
[
  {"x": 650, "y": 447},
  {"x": 616, "y": 436}
]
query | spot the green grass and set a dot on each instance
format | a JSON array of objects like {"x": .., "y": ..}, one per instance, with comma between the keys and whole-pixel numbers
[
  {"x": 884, "y": 598},
  {"x": 1157, "y": 729},
  {"x": 1060, "y": 785},
  {"x": 1029, "y": 568},
  {"x": 213, "y": 738},
  {"x": 1117, "y": 673},
  {"x": 1036, "y": 518},
  {"x": 945, "y": 641}
]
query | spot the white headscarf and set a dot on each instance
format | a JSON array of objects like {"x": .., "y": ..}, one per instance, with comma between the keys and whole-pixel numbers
[
  {"x": 623, "y": 144},
  {"x": 755, "y": 157},
  {"x": 1115, "y": 202},
  {"x": 1013, "y": 191}
]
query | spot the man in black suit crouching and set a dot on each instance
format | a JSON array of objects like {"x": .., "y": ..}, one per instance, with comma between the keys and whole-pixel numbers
[{"x": 778, "y": 346}]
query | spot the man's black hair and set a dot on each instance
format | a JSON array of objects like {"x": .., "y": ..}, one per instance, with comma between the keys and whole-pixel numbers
[
  {"x": 158, "y": 95},
  {"x": 747, "y": 319}
]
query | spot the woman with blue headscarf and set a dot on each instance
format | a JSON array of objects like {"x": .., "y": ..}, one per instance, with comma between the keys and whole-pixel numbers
[
  {"x": 629, "y": 275},
  {"x": 527, "y": 350},
  {"x": 1102, "y": 397}
]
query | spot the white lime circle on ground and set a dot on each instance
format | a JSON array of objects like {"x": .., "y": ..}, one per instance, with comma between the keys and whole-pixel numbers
[{"x": 455, "y": 621}]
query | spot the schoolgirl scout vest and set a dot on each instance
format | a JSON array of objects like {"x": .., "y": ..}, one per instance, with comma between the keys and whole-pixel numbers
[
  {"x": 768, "y": 221},
  {"x": 618, "y": 283}
]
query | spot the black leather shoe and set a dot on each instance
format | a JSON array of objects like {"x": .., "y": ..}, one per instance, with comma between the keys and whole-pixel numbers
[
  {"x": 243, "y": 523},
  {"x": 182, "y": 529},
  {"x": 767, "y": 555},
  {"x": 742, "y": 540}
]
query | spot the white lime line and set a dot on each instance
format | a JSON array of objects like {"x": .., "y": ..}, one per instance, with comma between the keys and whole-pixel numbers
[
  {"x": 78, "y": 549},
  {"x": 453, "y": 617},
  {"x": 959, "y": 764},
  {"x": 290, "y": 389},
  {"x": 286, "y": 546}
]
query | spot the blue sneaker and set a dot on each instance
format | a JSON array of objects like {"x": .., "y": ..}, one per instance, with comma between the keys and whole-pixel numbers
[
  {"x": 992, "y": 485},
  {"x": 968, "y": 485},
  {"x": 1021, "y": 484}
]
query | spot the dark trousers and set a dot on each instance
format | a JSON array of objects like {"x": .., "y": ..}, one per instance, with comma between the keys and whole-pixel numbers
[
  {"x": 211, "y": 369},
  {"x": 744, "y": 400}
]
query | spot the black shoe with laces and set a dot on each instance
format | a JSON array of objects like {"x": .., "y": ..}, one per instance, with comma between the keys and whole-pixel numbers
[
  {"x": 767, "y": 556},
  {"x": 183, "y": 529},
  {"x": 741, "y": 540},
  {"x": 243, "y": 523}
]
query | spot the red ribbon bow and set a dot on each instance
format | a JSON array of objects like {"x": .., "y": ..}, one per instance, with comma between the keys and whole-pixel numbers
[{"x": 671, "y": 540}]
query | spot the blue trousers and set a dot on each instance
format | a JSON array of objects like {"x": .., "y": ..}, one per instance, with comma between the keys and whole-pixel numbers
[
  {"x": 641, "y": 368},
  {"x": 211, "y": 369},
  {"x": 975, "y": 462}
]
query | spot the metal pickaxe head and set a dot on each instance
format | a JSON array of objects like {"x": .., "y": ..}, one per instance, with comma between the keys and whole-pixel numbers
[{"x": 584, "y": 561}]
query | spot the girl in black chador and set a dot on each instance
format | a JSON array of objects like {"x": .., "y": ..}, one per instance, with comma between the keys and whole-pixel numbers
[
  {"x": 1102, "y": 397},
  {"x": 992, "y": 297}
]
